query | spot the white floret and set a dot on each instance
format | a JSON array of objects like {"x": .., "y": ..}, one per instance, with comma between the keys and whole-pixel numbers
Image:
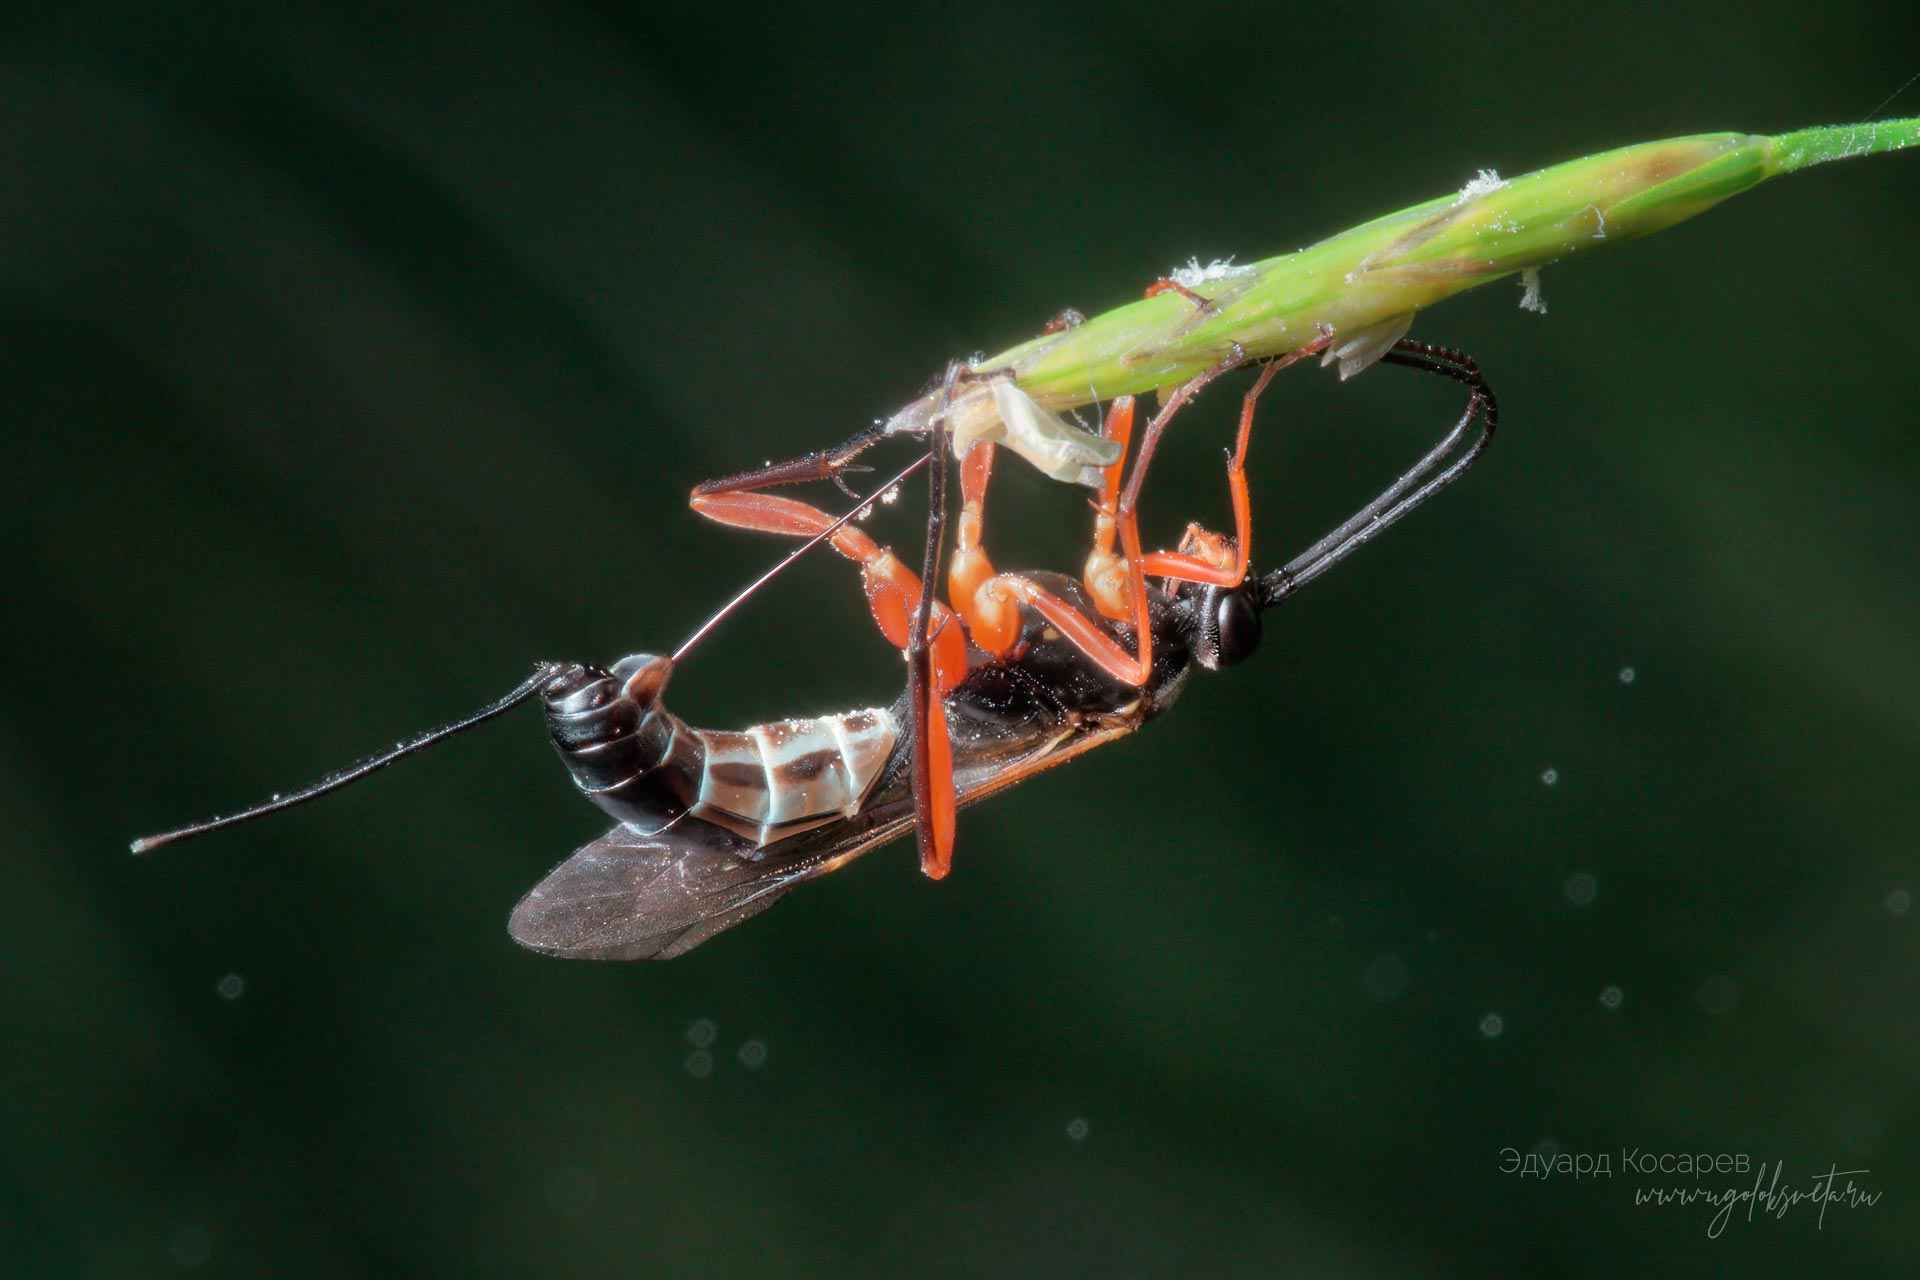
[
  {"x": 1193, "y": 275},
  {"x": 1530, "y": 299},
  {"x": 1488, "y": 181}
]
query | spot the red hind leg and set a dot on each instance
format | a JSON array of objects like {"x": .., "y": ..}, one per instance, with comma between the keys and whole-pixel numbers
[
  {"x": 895, "y": 594},
  {"x": 892, "y": 589},
  {"x": 1116, "y": 581}
]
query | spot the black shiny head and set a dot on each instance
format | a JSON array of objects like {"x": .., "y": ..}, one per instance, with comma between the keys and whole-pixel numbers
[{"x": 1227, "y": 626}]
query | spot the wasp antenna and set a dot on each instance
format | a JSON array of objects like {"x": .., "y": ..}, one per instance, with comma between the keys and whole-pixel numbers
[
  {"x": 354, "y": 772},
  {"x": 791, "y": 556},
  {"x": 1442, "y": 465}
]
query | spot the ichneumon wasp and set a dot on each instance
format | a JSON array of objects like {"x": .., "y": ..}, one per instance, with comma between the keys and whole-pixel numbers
[{"x": 1016, "y": 673}]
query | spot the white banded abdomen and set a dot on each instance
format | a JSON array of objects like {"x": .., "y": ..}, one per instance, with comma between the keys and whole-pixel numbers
[{"x": 778, "y": 779}]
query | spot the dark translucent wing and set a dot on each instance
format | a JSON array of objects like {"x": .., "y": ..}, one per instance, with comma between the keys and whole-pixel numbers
[{"x": 629, "y": 896}]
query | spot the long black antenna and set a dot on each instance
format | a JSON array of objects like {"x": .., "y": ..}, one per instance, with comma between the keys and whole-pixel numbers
[
  {"x": 1426, "y": 478},
  {"x": 354, "y": 772},
  {"x": 521, "y": 693}
]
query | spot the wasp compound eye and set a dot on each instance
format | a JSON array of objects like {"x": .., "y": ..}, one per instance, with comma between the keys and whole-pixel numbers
[{"x": 1229, "y": 628}]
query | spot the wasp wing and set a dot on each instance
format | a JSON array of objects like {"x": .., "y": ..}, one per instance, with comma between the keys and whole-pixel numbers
[{"x": 629, "y": 896}]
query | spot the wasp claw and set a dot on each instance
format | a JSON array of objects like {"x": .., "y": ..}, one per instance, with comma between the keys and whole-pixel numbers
[{"x": 851, "y": 468}]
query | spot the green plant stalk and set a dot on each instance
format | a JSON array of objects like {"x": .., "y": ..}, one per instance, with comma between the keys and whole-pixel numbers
[{"x": 1372, "y": 279}]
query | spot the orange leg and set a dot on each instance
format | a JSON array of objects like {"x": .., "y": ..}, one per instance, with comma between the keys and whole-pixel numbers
[
  {"x": 1117, "y": 582},
  {"x": 1221, "y": 569},
  {"x": 970, "y": 567},
  {"x": 934, "y": 799},
  {"x": 990, "y": 603},
  {"x": 1094, "y": 641},
  {"x": 894, "y": 594},
  {"x": 903, "y": 603},
  {"x": 826, "y": 464},
  {"x": 1106, "y": 573},
  {"x": 893, "y": 590},
  {"x": 1224, "y": 572},
  {"x": 992, "y": 616}
]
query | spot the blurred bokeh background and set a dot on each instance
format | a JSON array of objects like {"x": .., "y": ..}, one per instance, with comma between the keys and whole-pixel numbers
[{"x": 355, "y": 357}]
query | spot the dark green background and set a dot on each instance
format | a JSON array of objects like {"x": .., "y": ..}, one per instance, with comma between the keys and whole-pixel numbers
[{"x": 354, "y": 360}]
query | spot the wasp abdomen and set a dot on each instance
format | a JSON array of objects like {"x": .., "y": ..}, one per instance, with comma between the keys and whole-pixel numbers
[
  {"x": 630, "y": 755},
  {"x": 778, "y": 779},
  {"x": 648, "y": 768}
]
